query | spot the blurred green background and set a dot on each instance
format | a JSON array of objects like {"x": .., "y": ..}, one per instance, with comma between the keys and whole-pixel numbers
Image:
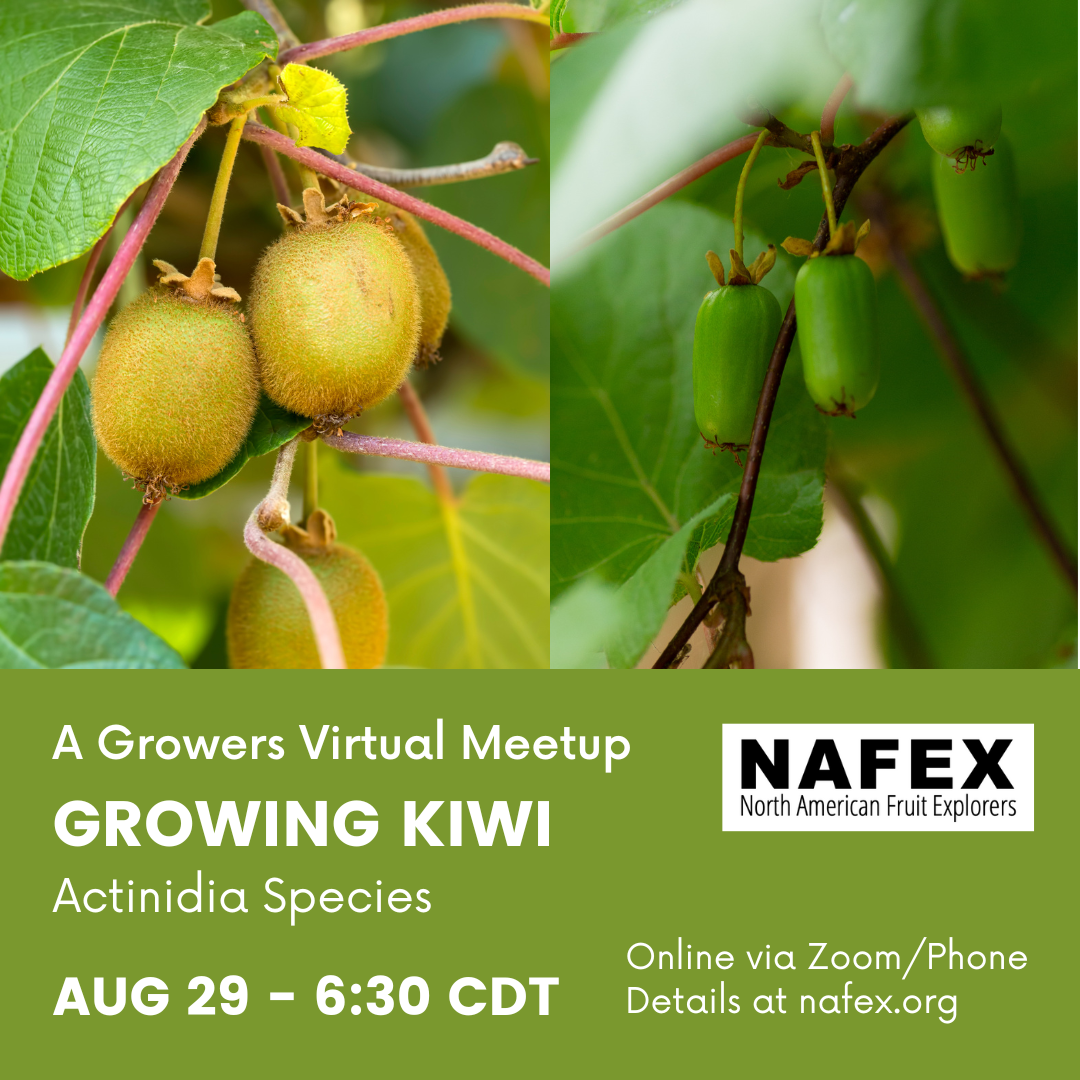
[{"x": 440, "y": 96}]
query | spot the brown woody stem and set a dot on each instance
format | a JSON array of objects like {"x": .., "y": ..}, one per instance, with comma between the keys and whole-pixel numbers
[
  {"x": 956, "y": 361},
  {"x": 732, "y": 648}
]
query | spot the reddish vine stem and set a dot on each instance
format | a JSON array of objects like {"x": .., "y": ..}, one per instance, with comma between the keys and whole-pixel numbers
[
  {"x": 414, "y": 410},
  {"x": 727, "y": 587},
  {"x": 564, "y": 41},
  {"x": 356, "y": 180},
  {"x": 960, "y": 368},
  {"x": 779, "y": 135},
  {"x": 143, "y": 520},
  {"x": 301, "y": 54},
  {"x": 92, "y": 318},
  {"x": 321, "y": 615},
  {"x": 276, "y": 175},
  {"x": 87, "y": 278},
  {"x": 474, "y": 460},
  {"x": 832, "y": 107},
  {"x": 669, "y": 187}
]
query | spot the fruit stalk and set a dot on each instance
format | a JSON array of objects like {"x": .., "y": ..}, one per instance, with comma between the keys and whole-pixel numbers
[
  {"x": 301, "y": 54},
  {"x": 740, "y": 191},
  {"x": 353, "y": 179},
  {"x": 323, "y": 623},
  {"x": 92, "y": 318},
  {"x": 311, "y": 478},
  {"x": 212, "y": 230},
  {"x": 951, "y": 351},
  {"x": 143, "y": 520},
  {"x": 426, "y": 454},
  {"x": 832, "y": 107},
  {"x": 852, "y": 164},
  {"x": 826, "y": 190}
]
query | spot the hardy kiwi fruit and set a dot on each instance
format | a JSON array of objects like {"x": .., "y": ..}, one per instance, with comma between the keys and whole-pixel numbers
[
  {"x": 268, "y": 625},
  {"x": 335, "y": 311},
  {"x": 430, "y": 279},
  {"x": 176, "y": 387}
]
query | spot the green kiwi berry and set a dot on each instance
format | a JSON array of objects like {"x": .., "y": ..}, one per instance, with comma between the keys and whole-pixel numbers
[
  {"x": 335, "y": 311},
  {"x": 176, "y": 387},
  {"x": 964, "y": 133},
  {"x": 430, "y": 279},
  {"x": 268, "y": 625},
  {"x": 979, "y": 213}
]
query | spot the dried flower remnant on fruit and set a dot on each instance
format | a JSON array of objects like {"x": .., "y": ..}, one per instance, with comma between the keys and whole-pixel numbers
[
  {"x": 268, "y": 624},
  {"x": 175, "y": 388}
]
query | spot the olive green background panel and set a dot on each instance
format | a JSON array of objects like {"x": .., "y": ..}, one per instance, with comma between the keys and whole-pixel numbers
[{"x": 637, "y": 855}]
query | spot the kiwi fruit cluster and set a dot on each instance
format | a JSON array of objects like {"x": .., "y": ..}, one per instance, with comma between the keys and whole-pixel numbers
[
  {"x": 268, "y": 626},
  {"x": 340, "y": 309}
]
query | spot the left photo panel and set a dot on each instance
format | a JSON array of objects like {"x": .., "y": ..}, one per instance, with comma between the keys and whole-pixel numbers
[{"x": 274, "y": 335}]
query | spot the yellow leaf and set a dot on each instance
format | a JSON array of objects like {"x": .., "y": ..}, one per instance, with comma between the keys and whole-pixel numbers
[{"x": 316, "y": 106}]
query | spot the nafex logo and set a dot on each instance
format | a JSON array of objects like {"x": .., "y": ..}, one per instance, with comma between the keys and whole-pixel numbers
[{"x": 879, "y": 777}]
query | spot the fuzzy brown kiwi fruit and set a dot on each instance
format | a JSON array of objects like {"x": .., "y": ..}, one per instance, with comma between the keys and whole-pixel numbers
[
  {"x": 176, "y": 386},
  {"x": 430, "y": 279},
  {"x": 335, "y": 311},
  {"x": 268, "y": 625}
]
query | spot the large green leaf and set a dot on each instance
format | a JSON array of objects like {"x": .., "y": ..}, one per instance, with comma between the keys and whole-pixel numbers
[
  {"x": 52, "y": 617},
  {"x": 95, "y": 96},
  {"x": 486, "y": 605},
  {"x": 497, "y": 307},
  {"x": 630, "y": 467},
  {"x": 905, "y": 53},
  {"x": 647, "y": 595},
  {"x": 272, "y": 427},
  {"x": 581, "y": 621},
  {"x": 58, "y": 496}
]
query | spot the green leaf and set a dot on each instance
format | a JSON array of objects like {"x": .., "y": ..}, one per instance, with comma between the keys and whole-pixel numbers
[
  {"x": 52, "y": 617},
  {"x": 316, "y": 106},
  {"x": 558, "y": 7},
  {"x": 272, "y": 427},
  {"x": 630, "y": 466},
  {"x": 647, "y": 595},
  {"x": 581, "y": 620},
  {"x": 497, "y": 307},
  {"x": 488, "y": 607},
  {"x": 58, "y": 496},
  {"x": 908, "y": 53},
  {"x": 95, "y": 96}
]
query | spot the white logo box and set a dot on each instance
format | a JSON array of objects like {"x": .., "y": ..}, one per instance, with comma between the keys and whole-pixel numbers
[{"x": 910, "y": 796}]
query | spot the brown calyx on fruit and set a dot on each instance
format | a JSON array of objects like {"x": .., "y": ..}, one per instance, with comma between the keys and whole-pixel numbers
[
  {"x": 331, "y": 423},
  {"x": 317, "y": 214},
  {"x": 203, "y": 284},
  {"x": 315, "y": 538},
  {"x": 741, "y": 274},
  {"x": 845, "y": 241}
]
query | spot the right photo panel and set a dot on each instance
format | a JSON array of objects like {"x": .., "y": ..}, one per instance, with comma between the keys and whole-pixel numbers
[{"x": 814, "y": 335}]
